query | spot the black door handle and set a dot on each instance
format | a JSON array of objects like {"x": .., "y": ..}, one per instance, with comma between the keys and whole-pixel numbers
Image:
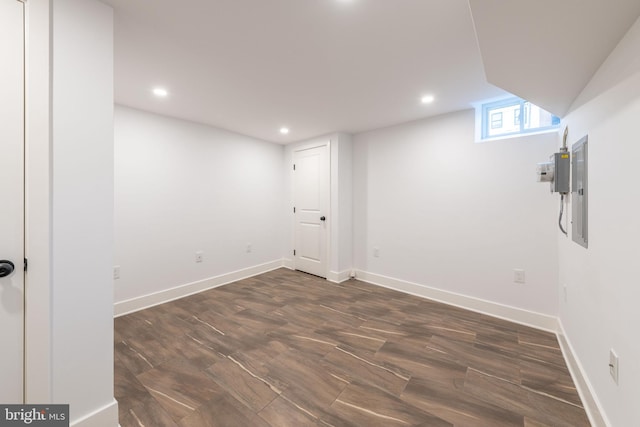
[
  {"x": 6, "y": 268},
  {"x": 323, "y": 218}
]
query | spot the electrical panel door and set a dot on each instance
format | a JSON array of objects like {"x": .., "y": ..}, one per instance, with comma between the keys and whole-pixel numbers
[{"x": 579, "y": 193}]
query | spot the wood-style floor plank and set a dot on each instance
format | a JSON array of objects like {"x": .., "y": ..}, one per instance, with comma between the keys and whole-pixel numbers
[{"x": 290, "y": 349}]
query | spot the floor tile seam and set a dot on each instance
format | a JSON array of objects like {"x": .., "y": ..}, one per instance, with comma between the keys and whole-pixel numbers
[
  {"x": 133, "y": 414},
  {"x": 548, "y": 364},
  {"x": 312, "y": 415},
  {"x": 338, "y": 377},
  {"x": 551, "y": 396},
  {"x": 141, "y": 402},
  {"x": 233, "y": 395},
  {"x": 257, "y": 413},
  {"x": 202, "y": 343},
  {"x": 152, "y": 391},
  {"x": 369, "y": 382},
  {"x": 137, "y": 353},
  {"x": 368, "y": 411},
  {"x": 556, "y": 349},
  {"x": 437, "y": 405},
  {"x": 341, "y": 312},
  {"x": 209, "y": 325},
  {"x": 460, "y": 360},
  {"x": 373, "y": 364},
  {"x": 529, "y": 389},
  {"x": 271, "y": 386},
  {"x": 361, "y": 336},
  {"x": 383, "y": 331}
]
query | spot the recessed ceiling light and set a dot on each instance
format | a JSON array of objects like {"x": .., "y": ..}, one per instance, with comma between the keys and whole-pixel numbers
[
  {"x": 284, "y": 131},
  {"x": 427, "y": 99},
  {"x": 160, "y": 92}
]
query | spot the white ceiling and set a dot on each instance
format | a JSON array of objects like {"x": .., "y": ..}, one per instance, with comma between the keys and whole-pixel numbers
[
  {"x": 322, "y": 66},
  {"x": 315, "y": 66},
  {"x": 546, "y": 51}
]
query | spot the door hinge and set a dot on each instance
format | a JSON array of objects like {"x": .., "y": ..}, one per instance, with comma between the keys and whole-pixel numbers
[
  {"x": 294, "y": 252},
  {"x": 294, "y": 209},
  {"x": 294, "y": 166},
  {"x": 26, "y": 264}
]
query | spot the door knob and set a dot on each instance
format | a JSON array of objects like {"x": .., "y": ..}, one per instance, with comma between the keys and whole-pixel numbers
[
  {"x": 323, "y": 218},
  {"x": 6, "y": 268}
]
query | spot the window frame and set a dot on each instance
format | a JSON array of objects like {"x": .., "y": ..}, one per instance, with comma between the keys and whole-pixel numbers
[{"x": 486, "y": 122}]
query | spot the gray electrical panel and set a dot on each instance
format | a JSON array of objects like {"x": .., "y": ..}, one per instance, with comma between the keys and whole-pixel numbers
[
  {"x": 579, "y": 193},
  {"x": 561, "y": 165}
]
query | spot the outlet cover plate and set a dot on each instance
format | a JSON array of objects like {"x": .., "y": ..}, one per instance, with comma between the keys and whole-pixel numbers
[
  {"x": 614, "y": 365},
  {"x": 518, "y": 276}
]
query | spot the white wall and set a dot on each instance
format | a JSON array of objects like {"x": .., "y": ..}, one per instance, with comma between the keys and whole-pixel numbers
[
  {"x": 344, "y": 208},
  {"x": 82, "y": 211},
  {"x": 603, "y": 290},
  {"x": 455, "y": 215},
  {"x": 182, "y": 187}
]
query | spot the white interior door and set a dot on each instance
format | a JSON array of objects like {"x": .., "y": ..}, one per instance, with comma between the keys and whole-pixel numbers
[
  {"x": 12, "y": 204},
  {"x": 311, "y": 195}
]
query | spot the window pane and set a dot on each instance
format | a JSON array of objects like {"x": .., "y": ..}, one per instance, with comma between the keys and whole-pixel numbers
[
  {"x": 496, "y": 120},
  {"x": 498, "y": 126},
  {"x": 538, "y": 118}
]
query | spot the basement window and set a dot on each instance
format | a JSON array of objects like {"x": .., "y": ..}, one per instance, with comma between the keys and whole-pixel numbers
[{"x": 512, "y": 117}]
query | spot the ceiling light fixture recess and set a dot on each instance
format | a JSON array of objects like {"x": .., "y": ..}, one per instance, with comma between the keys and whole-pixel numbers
[
  {"x": 284, "y": 131},
  {"x": 160, "y": 92},
  {"x": 428, "y": 99}
]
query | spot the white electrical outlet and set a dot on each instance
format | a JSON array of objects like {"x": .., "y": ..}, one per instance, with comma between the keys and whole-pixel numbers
[
  {"x": 518, "y": 276},
  {"x": 376, "y": 251},
  {"x": 199, "y": 256},
  {"x": 249, "y": 248},
  {"x": 614, "y": 364},
  {"x": 116, "y": 272}
]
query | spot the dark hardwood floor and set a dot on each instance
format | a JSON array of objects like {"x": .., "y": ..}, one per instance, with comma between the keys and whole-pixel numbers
[{"x": 289, "y": 349}]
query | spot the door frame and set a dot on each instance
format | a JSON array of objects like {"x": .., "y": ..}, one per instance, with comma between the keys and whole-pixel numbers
[
  {"x": 321, "y": 142},
  {"x": 38, "y": 203},
  {"x": 14, "y": 284}
]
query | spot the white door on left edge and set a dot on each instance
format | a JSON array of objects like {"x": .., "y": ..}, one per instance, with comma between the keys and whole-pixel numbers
[
  {"x": 311, "y": 201},
  {"x": 12, "y": 202}
]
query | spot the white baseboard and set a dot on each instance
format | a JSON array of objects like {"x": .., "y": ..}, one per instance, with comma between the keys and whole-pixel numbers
[
  {"x": 585, "y": 390},
  {"x": 513, "y": 314},
  {"x": 288, "y": 263},
  {"x": 135, "y": 304},
  {"x": 332, "y": 276},
  {"x": 339, "y": 277},
  {"x": 104, "y": 417}
]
